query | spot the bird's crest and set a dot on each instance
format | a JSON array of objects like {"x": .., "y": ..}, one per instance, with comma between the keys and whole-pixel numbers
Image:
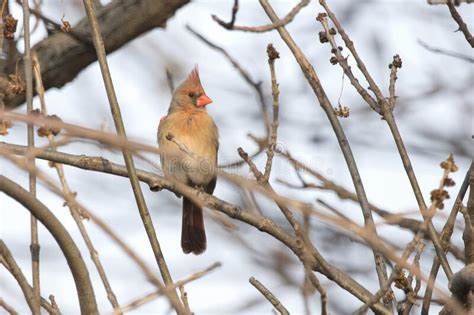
[{"x": 193, "y": 77}]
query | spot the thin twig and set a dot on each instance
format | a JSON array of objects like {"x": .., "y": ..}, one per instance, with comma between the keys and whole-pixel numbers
[
  {"x": 414, "y": 243},
  {"x": 74, "y": 209},
  {"x": 256, "y": 85},
  {"x": 10, "y": 310},
  {"x": 411, "y": 296},
  {"x": 446, "y": 52},
  {"x": 272, "y": 55},
  {"x": 15, "y": 270},
  {"x": 396, "y": 63},
  {"x": 304, "y": 244},
  {"x": 468, "y": 213},
  {"x": 115, "y": 109},
  {"x": 265, "y": 28},
  {"x": 51, "y": 309},
  {"x": 345, "y": 65},
  {"x": 269, "y": 296},
  {"x": 462, "y": 26},
  {"x": 184, "y": 298},
  {"x": 34, "y": 247},
  {"x": 156, "y": 294},
  {"x": 229, "y": 25}
]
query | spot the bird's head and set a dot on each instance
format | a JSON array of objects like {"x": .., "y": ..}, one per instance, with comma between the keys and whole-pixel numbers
[{"x": 190, "y": 94}]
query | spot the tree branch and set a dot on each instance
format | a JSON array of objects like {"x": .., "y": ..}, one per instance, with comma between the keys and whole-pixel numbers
[
  {"x": 315, "y": 83},
  {"x": 74, "y": 259},
  {"x": 99, "y": 164},
  {"x": 263, "y": 28},
  {"x": 62, "y": 56},
  {"x": 462, "y": 26},
  {"x": 127, "y": 155},
  {"x": 28, "y": 70},
  {"x": 269, "y": 296}
]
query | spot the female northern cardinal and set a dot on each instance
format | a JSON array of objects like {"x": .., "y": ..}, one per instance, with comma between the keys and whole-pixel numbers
[{"x": 191, "y": 125}]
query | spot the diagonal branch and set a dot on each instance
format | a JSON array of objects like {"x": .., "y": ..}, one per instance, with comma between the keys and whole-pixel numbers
[
  {"x": 462, "y": 26},
  {"x": 127, "y": 155},
  {"x": 269, "y": 296}
]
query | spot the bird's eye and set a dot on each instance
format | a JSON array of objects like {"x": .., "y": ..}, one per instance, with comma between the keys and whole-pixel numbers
[{"x": 191, "y": 94}]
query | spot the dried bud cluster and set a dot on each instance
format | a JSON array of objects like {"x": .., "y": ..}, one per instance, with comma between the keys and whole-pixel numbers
[
  {"x": 342, "y": 111},
  {"x": 389, "y": 297},
  {"x": 438, "y": 196},
  {"x": 11, "y": 85},
  {"x": 272, "y": 52},
  {"x": 9, "y": 26},
  {"x": 66, "y": 26},
  {"x": 397, "y": 62},
  {"x": 322, "y": 37},
  {"x": 333, "y": 60},
  {"x": 321, "y": 16},
  {"x": 46, "y": 129},
  {"x": 401, "y": 282},
  {"x": 449, "y": 164}
]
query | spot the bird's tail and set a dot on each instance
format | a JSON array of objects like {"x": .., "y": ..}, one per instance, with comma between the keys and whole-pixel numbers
[{"x": 193, "y": 235}]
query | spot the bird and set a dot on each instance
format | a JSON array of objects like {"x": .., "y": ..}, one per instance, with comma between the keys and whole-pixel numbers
[{"x": 189, "y": 123}]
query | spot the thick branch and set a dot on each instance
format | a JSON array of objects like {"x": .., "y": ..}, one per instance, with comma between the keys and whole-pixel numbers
[
  {"x": 74, "y": 259},
  {"x": 62, "y": 56}
]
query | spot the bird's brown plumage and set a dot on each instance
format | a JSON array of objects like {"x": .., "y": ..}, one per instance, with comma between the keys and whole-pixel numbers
[{"x": 191, "y": 125}]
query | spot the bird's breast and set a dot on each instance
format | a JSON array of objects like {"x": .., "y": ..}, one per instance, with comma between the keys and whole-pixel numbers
[{"x": 194, "y": 129}]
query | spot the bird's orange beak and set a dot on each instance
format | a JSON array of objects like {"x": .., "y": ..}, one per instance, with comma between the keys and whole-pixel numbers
[{"x": 203, "y": 100}]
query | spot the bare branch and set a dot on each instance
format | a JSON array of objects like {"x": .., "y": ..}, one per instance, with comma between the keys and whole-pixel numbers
[
  {"x": 264, "y": 28},
  {"x": 229, "y": 25},
  {"x": 256, "y": 85},
  {"x": 127, "y": 155},
  {"x": 30, "y": 296},
  {"x": 269, "y": 296},
  {"x": 462, "y": 26},
  {"x": 446, "y": 52},
  {"x": 151, "y": 296},
  {"x": 74, "y": 259},
  {"x": 34, "y": 247},
  {"x": 10, "y": 310},
  {"x": 272, "y": 55}
]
